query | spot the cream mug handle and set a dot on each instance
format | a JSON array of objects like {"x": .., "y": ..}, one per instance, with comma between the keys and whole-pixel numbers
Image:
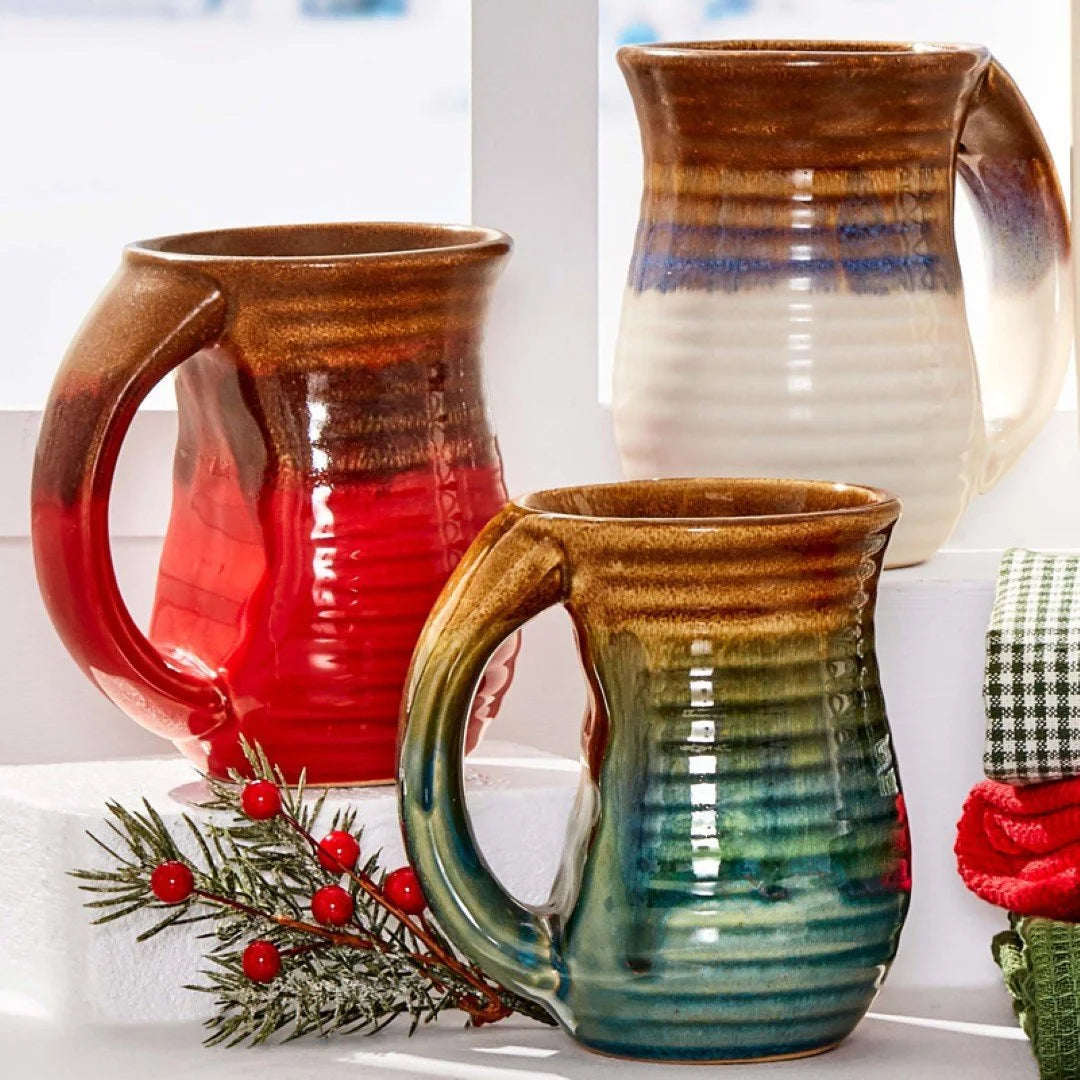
[{"x": 1004, "y": 160}]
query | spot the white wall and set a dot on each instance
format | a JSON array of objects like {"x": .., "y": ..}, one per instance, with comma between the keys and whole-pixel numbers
[{"x": 120, "y": 129}]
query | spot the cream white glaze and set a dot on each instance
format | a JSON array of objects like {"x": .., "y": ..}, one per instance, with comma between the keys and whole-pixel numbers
[{"x": 874, "y": 389}]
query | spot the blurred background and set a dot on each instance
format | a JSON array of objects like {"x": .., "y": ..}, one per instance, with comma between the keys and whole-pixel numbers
[{"x": 136, "y": 118}]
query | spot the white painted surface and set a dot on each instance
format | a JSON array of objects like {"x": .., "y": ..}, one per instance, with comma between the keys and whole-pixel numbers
[
  {"x": 1074, "y": 101},
  {"x": 54, "y": 964},
  {"x": 982, "y": 1046},
  {"x": 534, "y": 102},
  {"x": 49, "y": 711}
]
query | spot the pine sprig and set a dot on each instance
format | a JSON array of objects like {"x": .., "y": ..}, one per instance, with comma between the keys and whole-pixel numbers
[{"x": 254, "y": 879}]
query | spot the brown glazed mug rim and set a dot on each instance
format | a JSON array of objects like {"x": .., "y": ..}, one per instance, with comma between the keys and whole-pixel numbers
[
  {"x": 801, "y": 52},
  {"x": 319, "y": 243},
  {"x": 877, "y": 501}
]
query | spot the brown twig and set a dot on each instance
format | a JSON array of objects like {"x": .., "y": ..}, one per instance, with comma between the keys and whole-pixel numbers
[
  {"x": 332, "y": 937},
  {"x": 487, "y": 1008},
  {"x": 329, "y": 937}
]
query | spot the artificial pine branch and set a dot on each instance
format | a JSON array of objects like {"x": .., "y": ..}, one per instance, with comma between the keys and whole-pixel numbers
[{"x": 254, "y": 880}]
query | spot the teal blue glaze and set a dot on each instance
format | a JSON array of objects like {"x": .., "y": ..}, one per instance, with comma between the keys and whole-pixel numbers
[
  {"x": 737, "y": 870},
  {"x": 740, "y": 896}
]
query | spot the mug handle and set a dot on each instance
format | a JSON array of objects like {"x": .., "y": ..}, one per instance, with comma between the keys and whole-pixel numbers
[
  {"x": 149, "y": 319},
  {"x": 1005, "y": 162},
  {"x": 514, "y": 570}
]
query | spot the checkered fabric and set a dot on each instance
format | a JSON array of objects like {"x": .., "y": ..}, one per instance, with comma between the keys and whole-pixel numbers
[{"x": 1032, "y": 679}]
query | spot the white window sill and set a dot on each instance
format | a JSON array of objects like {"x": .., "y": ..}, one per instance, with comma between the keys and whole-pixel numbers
[{"x": 912, "y": 1034}]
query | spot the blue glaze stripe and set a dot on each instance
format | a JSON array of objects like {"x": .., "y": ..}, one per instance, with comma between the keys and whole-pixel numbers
[{"x": 666, "y": 272}]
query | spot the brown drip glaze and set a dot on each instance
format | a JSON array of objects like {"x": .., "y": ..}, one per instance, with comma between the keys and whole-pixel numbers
[
  {"x": 785, "y": 104},
  {"x": 334, "y": 460}
]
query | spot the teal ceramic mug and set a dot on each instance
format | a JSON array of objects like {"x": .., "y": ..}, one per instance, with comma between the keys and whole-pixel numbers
[{"x": 737, "y": 869}]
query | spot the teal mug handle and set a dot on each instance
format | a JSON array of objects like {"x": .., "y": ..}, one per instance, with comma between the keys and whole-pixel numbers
[{"x": 514, "y": 570}]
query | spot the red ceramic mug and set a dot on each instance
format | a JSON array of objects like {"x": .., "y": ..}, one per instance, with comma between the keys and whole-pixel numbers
[{"x": 335, "y": 459}]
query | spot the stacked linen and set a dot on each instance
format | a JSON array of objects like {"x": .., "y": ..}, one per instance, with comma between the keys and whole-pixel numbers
[
  {"x": 1018, "y": 840},
  {"x": 1032, "y": 680},
  {"x": 1040, "y": 959},
  {"x": 1019, "y": 848}
]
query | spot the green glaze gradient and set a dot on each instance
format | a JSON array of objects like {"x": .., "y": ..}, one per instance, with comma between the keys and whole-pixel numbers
[
  {"x": 740, "y": 897},
  {"x": 737, "y": 867}
]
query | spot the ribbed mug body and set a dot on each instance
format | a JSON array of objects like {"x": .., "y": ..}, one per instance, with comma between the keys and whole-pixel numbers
[
  {"x": 335, "y": 459},
  {"x": 741, "y": 870},
  {"x": 794, "y": 304}
]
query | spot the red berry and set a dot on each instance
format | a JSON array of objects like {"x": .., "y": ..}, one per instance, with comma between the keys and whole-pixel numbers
[
  {"x": 332, "y": 906},
  {"x": 172, "y": 882},
  {"x": 402, "y": 889},
  {"x": 338, "y": 851},
  {"x": 260, "y": 800},
  {"x": 261, "y": 961}
]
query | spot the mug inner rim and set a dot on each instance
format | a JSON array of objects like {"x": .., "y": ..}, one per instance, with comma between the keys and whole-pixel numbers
[
  {"x": 806, "y": 50},
  {"x": 324, "y": 242},
  {"x": 551, "y": 502}
]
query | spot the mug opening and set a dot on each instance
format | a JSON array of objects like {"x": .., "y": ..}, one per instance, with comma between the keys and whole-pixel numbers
[
  {"x": 318, "y": 242},
  {"x": 713, "y": 501},
  {"x": 803, "y": 51}
]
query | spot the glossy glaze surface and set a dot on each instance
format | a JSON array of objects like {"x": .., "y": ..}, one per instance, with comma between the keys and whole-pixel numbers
[
  {"x": 738, "y": 864},
  {"x": 794, "y": 304},
  {"x": 334, "y": 461}
]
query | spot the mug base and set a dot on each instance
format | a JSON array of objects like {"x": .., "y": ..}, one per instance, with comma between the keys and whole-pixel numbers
[{"x": 793, "y": 1055}]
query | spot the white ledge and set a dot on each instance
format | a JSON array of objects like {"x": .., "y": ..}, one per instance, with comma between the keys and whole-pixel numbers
[{"x": 906, "y": 1036}]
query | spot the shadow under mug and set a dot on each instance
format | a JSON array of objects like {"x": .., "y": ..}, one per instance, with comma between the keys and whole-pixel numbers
[{"x": 737, "y": 866}]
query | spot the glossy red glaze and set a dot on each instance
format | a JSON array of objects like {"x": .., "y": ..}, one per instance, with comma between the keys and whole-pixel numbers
[
  {"x": 334, "y": 462},
  {"x": 304, "y": 610},
  {"x": 307, "y": 605}
]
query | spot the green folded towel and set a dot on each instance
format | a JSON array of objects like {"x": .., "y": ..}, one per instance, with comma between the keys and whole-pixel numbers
[
  {"x": 1031, "y": 685},
  {"x": 1040, "y": 959}
]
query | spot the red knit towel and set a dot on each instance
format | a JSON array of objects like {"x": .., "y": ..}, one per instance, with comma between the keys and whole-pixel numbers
[{"x": 1019, "y": 847}]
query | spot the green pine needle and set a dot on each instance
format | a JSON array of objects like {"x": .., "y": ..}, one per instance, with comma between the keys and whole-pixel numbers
[{"x": 270, "y": 869}]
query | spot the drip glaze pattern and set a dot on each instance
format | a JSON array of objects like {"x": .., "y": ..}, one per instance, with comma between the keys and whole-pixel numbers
[
  {"x": 334, "y": 462},
  {"x": 738, "y": 865},
  {"x": 794, "y": 305}
]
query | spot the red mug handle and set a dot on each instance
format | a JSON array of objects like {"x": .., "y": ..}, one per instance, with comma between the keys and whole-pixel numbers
[{"x": 149, "y": 320}]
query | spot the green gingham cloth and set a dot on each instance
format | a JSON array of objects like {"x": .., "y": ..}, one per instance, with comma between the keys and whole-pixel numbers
[{"x": 1032, "y": 679}]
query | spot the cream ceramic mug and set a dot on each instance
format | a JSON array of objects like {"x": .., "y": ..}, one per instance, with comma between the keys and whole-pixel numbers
[{"x": 795, "y": 304}]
